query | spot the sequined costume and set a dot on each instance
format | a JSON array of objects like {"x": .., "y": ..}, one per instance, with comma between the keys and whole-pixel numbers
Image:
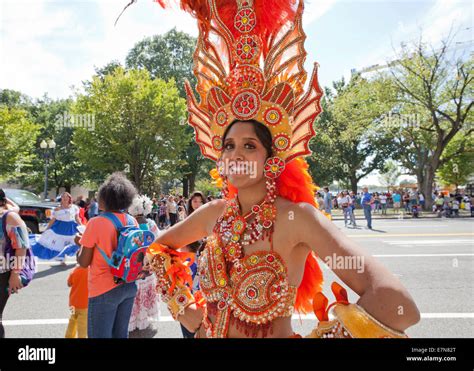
[{"x": 249, "y": 65}]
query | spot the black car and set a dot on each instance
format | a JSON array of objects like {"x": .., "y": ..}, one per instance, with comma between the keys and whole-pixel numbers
[{"x": 35, "y": 212}]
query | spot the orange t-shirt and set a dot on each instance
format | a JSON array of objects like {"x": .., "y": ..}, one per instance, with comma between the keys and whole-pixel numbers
[
  {"x": 78, "y": 296},
  {"x": 101, "y": 232}
]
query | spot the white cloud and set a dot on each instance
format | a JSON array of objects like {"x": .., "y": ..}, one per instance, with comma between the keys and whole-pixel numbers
[
  {"x": 46, "y": 47},
  {"x": 25, "y": 64},
  {"x": 434, "y": 25},
  {"x": 315, "y": 9}
]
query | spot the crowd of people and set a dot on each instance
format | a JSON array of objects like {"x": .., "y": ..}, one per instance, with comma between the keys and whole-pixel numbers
[
  {"x": 445, "y": 204},
  {"x": 400, "y": 201},
  {"x": 76, "y": 229},
  {"x": 134, "y": 306}
]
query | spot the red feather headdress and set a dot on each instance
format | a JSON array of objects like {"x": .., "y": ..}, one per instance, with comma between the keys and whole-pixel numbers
[{"x": 249, "y": 65}]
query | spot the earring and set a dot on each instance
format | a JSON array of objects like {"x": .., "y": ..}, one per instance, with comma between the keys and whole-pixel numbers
[
  {"x": 225, "y": 187},
  {"x": 270, "y": 185},
  {"x": 274, "y": 166}
]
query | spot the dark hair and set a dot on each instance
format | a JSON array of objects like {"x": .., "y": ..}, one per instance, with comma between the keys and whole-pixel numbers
[
  {"x": 117, "y": 192},
  {"x": 3, "y": 197},
  {"x": 262, "y": 132},
  {"x": 195, "y": 194}
]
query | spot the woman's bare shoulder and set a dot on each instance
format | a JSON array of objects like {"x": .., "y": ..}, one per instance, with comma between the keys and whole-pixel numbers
[
  {"x": 216, "y": 206},
  {"x": 297, "y": 208}
]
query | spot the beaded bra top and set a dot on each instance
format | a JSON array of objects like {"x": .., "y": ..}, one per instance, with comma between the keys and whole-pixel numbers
[{"x": 252, "y": 291}]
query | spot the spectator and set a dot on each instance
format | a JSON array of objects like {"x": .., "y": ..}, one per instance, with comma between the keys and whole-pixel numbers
[
  {"x": 397, "y": 198},
  {"x": 456, "y": 207},
  {"x": 383, "y": 203},
  {"x": 421, "y": 199},
  {"x": 110, "y": 304},
  {"x": 172, "y": 210},
  {"x": 14, "y": 234},
  {"x": 77, "y": 281},
  {"x": 327, "y": 198},
  {"x": 145, "y": 306},
  {"x": 93, "y": 207},
  {"x": 163, "y": 215},
  {"x": 406, "y": 201},
  {"x": 376, "y": 202},
  {"x": 345, "y": 203},
  {"x": 367, "y": 201}
]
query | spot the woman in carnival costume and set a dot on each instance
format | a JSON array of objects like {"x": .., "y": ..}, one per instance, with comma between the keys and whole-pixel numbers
[
  {"x": 57, "y": 241},
  {"x": 259, "y": 266},
  {"x": 145, "y": 307}
]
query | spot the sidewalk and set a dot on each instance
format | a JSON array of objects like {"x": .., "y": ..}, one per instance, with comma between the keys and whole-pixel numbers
[{"x": 359, "y": 214}]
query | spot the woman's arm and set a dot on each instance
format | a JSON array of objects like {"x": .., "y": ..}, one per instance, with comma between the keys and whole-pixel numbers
[
  {"x": 84, "y": 258},
  {"x": 381, "y": 294}
]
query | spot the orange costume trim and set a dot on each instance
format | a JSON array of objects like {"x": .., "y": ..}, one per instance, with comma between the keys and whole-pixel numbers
[
  {"x": 342, "y": 319},
  {"x": 249, "y": 65}
]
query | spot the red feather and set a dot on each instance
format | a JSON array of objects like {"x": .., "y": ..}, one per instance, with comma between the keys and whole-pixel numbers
[{"x": 271, "y": 15}]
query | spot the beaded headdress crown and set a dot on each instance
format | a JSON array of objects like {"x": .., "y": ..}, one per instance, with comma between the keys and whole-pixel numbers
[{"x": 249, "y": 65}]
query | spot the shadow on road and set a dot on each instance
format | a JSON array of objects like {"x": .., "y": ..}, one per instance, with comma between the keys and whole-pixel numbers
[
  {"x": 378, "y": 230},
  {"x": 147, "y": 333},
  {"x": 52, "y": 270}
]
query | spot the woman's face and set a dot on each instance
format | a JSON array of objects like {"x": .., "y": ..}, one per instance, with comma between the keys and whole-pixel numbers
[
  {"x": 243, "y": 155},
  {"x": 196, "y": 202},
  {"x": 66, "y": 200}
]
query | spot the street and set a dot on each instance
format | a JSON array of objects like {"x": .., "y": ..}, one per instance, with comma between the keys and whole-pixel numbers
[{"x": 434, "y": 259}]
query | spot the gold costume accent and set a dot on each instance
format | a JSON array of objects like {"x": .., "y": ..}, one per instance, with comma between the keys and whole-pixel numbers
[{"x": 344, "y": 320}]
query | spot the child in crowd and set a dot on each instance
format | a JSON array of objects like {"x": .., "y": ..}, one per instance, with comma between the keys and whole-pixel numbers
[{"x": 78, "y": 299}]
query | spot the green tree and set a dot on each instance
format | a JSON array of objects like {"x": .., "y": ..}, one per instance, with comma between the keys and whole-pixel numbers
[
  {"x": 323, "y": 167},
  {"x": 136, "y": 126},
  {"x": 13, "y": 98},
  {"x": 436, "y": 85},
  {"x": 457, "y": 169},
  {"x": 170, "y": 56},
  {"x": 390, "y": 174},
  {"x": 351, "y": 142},
  {"x": 17, "y": 138}
]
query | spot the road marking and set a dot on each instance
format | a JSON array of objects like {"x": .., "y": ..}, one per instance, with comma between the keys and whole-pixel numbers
[
  {"x": 431, "y": 242},
  {"x": 376, "y": 235},
  {"x": 418, "y": 255},
  {"x": 418, "y": 226},
  {"x": 64, "y": 321}
]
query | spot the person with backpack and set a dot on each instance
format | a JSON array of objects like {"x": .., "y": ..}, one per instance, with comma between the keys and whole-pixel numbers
[
  {"x": 17, "y": 264},
  {"x": 110, "y": 300}
]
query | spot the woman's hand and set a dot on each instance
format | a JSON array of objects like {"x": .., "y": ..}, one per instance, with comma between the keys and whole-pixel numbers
[
  {"x": 14, "y": 283},
  {"x": 381, "y": 294}
]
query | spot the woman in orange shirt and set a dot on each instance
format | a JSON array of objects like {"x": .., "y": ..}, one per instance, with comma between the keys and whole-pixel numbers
[{"x": 110, "y": 304}]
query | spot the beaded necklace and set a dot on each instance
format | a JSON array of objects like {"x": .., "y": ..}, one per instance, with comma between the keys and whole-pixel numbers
[{"x": 235, "y": 231}]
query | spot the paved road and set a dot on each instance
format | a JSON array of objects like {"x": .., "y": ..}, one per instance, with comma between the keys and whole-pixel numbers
[{"x": 434, "y": 258}]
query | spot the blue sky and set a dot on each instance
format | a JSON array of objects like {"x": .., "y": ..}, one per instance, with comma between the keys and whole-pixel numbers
[
  {"x": 50, "y": 46},
  {"x": 47, "y": 46}
]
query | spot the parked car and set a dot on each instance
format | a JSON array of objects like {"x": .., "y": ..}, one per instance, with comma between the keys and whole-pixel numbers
[{"x": 35, "y": 212}]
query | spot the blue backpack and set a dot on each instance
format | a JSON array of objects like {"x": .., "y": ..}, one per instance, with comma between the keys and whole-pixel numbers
[{"x": 126, "y": 262}]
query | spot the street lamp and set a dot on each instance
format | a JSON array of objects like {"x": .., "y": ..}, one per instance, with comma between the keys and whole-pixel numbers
[{"x": 48, "y": 148}]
